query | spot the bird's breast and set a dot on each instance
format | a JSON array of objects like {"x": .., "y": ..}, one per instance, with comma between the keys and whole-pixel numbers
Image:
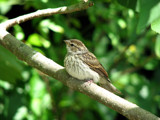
[{"x": 78, "y": 69}]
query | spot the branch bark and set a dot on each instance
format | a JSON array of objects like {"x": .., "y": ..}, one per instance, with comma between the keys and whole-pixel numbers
[{"x": 49, "y": 67}]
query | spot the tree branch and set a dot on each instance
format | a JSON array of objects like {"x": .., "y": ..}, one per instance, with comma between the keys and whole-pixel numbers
[
  {"x": 49, "y": 67},
  {"x": 47, "y": 12}
]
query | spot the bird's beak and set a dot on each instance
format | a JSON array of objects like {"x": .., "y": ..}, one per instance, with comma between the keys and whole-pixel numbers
[{"x": 67, "y": 41}]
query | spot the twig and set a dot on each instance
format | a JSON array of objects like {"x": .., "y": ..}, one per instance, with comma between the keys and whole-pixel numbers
[{"x": 47, "y": 12}]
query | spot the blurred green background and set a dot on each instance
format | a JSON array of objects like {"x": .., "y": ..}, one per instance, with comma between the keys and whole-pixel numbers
[{"x": 123, "y": 34}]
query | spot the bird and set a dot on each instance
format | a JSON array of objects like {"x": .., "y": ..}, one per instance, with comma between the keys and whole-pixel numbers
[{"x": 81, "y": 64}]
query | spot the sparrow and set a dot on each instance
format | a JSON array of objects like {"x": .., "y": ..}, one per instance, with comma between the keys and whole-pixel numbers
[{"x": 80, "y": 63}]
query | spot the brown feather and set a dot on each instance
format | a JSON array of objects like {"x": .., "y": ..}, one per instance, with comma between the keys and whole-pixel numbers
[{"x": 91, "y": 60}]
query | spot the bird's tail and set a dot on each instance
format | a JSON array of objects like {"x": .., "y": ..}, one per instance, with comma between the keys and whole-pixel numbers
[{"x": 108, "y": 86}]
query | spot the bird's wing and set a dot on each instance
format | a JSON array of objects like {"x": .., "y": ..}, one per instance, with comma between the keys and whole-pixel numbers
[{"x": 94, "y": 64}]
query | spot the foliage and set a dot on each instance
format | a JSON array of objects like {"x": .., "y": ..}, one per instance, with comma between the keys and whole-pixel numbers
[{"x": 117, "y": 32}]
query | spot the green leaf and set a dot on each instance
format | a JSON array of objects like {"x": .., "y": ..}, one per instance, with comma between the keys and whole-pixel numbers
[
  {"x": 65, "y": 103},
  {"x": 5, "y": 5},
  {"x": 71, "y": 116},
  {"x": 128, "y": 3},
  {"x": 37, "y": 40},
  {"x": 34, "y": 39},
  {"x": 21, "y": 113},
  {"x": 157, "y": 46},
  {"x": 155, "y": 25},
  {"x": 19, "y": 34},
  {"x": 36, "y": 106},
  {"x": 148, "y": 13},
  {"x": 40, "y": 100},
  {"x": 10, "y": 67},
  {"x": 152, "y": 64},
  {"x": 6, "y": 85},
  {"x": 144, "y": 92},
  {"x": 48, "y": 24},
  {"x": 101, "y": 46}
]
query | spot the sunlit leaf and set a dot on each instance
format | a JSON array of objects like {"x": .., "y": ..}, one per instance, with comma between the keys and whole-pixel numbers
[
  {"x": 34, "y": 39},
  {"x": 5, "y": 85},
  {"x": 122, "y": 23},
  {"x": 148, "y": 13},
  {"x": 40, "y": 100},
  {"x": 21, "y": 113},
  {"x": 19, "y": 34},
  {"x": 144, "y": 92},
  {"x": 5, "y": 5},
  {"x": 114, "y": 39},
  {"x": 52, "y": 26},
  {"x": 157, "y": 46},
  {"x": 36, "y": 106},
  {"x": 37, "y": 40},
  {"x": 156, "y": 25}
]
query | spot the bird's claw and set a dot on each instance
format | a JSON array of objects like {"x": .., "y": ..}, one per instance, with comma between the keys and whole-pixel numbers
[{"x": 89, "y": 81}]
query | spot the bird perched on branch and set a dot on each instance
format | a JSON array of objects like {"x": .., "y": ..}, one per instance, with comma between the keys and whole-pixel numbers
[{"x": 80, "y": 63}]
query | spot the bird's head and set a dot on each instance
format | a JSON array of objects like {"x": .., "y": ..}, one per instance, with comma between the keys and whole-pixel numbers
[{"x": 75, "y": 46}]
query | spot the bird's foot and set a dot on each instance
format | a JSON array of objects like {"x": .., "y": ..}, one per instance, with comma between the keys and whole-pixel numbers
[{"x": 89, "y": 81}]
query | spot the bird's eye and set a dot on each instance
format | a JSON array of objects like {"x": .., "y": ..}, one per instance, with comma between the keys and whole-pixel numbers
[{"x": 72, "y": 44}]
